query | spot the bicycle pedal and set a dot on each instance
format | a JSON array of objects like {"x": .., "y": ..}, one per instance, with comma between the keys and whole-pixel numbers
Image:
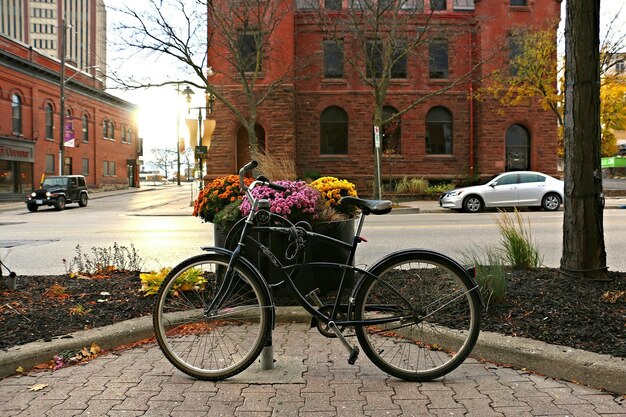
[{"x": 353, "y": 355}]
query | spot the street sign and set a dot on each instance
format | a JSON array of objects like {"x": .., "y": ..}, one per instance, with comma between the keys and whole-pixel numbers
[
  {"x": 377, "y": 137},
  {"x": 200, "y": 152}
]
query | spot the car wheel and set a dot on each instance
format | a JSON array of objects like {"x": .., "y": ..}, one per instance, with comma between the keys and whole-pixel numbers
[
  {"x": 551, "y": 202},
  {"x": 32, "y": 207},
  {"x": 473, "y": 204},
  {"x": 83, "y": 200},
  {"x": 60, "y": 204}
]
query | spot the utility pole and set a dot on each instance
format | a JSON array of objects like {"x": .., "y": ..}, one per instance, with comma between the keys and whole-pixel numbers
[{"x": 62, "y": 100}]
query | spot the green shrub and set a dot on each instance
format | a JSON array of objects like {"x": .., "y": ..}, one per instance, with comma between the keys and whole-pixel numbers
[
  {"x": 412, "y": 186},
  {"x": 440, "y": 188},
  {"x": 516, "y": 240},
  {"x": 490, "y": 272},
  {"x": 192, "y": 279}
]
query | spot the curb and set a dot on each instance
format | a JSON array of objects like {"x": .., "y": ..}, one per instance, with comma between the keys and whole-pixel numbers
[{"x": 587, "y": 368}]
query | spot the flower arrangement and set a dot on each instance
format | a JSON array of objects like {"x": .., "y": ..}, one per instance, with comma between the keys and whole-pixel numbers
[
  {"x": 223, "y": 202},
  {"x": 217, "y": 195},
  {"x": 332, "y": 189},
  {"x": 298, "y": 202}
]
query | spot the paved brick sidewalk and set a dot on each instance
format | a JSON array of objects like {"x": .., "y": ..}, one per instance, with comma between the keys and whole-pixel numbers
[{"x": 312, "y": 378}]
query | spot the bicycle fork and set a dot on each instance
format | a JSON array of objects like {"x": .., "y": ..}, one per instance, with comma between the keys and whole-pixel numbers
[{"x": 352, "y": 350}]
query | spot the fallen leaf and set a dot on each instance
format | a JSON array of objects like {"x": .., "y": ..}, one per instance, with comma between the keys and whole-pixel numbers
[
  {"x": 37, "y": 387},
  {"x": 19, "y": 370},
  {"x": 95, "y": 349}
]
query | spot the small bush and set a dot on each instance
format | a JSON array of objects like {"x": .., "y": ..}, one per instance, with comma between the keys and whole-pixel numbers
[
  {"x": 412, "y": 186},
  {"x": 440, "y": 188},
  {"x": 517, "y": 246},
  {"x": 490, "y": 272},
  {"x": 192, "y": 279},
  {"x": 103, "y": 261}
]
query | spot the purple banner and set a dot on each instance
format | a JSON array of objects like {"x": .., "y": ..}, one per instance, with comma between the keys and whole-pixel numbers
[{"x": 68, "y": 136}]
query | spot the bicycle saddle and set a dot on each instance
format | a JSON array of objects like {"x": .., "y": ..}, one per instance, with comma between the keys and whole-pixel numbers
[{"x": 368, "y": 206}]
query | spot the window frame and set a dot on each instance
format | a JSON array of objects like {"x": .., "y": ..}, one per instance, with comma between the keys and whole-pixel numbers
[
  {"x": 335, "y": 126},
  {"x": 49, "y": 121},
  {"x": 435, "y": 62},
  {"x": 445, "y": 134},
  {"x": 16, "y": 114},
  {"x": 85, "y": 128},
  {"x": 333, "y": 51},
  {"x": 243, "y": 38}
]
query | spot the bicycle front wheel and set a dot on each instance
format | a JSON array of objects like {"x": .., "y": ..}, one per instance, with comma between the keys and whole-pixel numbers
[
  {"x": 424, "y": 312},
  {"x": 205, "y": 334}
]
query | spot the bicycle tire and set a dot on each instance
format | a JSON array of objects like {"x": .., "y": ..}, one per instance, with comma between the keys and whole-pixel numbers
[
  {"x": 224, "y": 344},
  {"x": 440, "y": 306}
]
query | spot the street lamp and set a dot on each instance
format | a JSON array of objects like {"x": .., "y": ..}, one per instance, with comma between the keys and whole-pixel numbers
[{"x": 203, "y": 144}]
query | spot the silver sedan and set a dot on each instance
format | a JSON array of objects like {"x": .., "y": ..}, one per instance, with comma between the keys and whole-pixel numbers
[{"x": 511, "y": 189}]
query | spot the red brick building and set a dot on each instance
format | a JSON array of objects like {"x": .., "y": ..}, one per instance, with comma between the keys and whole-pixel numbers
[
  {"x": 105, "y": 146},
  {"x": 323, "y": 118}
]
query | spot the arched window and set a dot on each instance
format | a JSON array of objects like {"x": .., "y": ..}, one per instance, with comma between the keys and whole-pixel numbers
[
  {"x": 85, "y": 128},
  {"x": 111, "y": 130},
  {"x": 16, "y": 107},
  {"x": 334, "y": 131},
  {"x": 49, "y": 121},
  {"x": 439, "y": 131},
  {"x": 129, "y": 136},
  {"x": 105, "y": 128},
  {"x": 123, "y": 134},
  {"x": 517, "y": 143},
  {"x": 391, "y": 133}
]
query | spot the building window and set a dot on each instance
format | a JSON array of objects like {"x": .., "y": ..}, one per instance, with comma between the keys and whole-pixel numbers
[
  {"x": 516, "y": 50},
  {"x": 105, "y": 128},
  {"x": 519, "y": 2},
  {"x": 85, "y": 170},
  {"x": 399, "y": 61},
  {"x": 307, "y": 4},
  {"x": 439, "y": 131},
  {"x": 438, "y": 59},
  {"x": 463, "y": 5},
  {"x": 249, "y": 48},
  {"x": 332, "y": 4},
  {"x": 49, "y": 164},
  {"x": 85, "y": 128},
  {"x": 517, "y": 143},
  {"x": 111, "y": 130},
  {"x": 49, "y": 121},
  {"x": 620, "y": 66},
  {"x": 392, "y": 133},
  {"x": 333, "y": 59},
  {"x": 112, "y": 171},
  {"x": 16, "y": 111},
  {"x": 436, "y": 5},
  {"x": 334, "y": 131},
  {"x": 129, "y": 137},
  {"x": 374, "y": 64},
  {"x": 123, "y": 135}
]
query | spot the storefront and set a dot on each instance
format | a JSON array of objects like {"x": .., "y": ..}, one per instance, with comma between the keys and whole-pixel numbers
[{"x": 16, "y": 168}]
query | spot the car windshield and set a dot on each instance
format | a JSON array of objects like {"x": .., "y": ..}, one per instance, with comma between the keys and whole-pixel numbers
[{"x": 53, "y": 182}]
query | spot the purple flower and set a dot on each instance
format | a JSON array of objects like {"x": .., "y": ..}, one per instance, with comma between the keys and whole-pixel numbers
[{"x": 298, "y": 202}]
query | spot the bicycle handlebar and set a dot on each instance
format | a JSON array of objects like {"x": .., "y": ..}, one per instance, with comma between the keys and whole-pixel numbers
[{"x": 261, "y": 179}]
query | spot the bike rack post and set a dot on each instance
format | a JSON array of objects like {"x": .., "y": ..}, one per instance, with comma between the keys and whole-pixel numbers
[{"x": 267, "y": 354}]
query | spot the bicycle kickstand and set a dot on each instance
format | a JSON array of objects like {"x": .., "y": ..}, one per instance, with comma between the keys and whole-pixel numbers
[{"x": 353, "y": 350}]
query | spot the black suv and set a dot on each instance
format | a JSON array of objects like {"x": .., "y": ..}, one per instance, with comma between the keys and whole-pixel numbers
[{"x": 58, "y": 191}]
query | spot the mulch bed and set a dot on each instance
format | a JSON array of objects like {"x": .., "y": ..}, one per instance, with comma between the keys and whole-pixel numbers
[{"x": 541, "y": 305}]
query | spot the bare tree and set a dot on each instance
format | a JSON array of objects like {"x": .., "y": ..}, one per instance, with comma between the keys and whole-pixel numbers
[
  {"x": 174, "y": 34},
  {"x": 584, "y": 251},
  {"x": 385, "y": 38},
  {"x": 164, "y": 159}
]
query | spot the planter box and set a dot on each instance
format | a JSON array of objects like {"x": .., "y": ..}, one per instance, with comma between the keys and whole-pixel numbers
[{"x": 306, "y": 279}]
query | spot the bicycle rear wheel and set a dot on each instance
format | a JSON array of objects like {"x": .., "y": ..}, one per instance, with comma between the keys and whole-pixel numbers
[
  {"x": 205, "y": 341},
  {"x": 431, "y": 314}
]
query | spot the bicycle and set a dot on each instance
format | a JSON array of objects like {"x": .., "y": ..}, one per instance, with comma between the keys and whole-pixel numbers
[{"x": 415, "y": 313}]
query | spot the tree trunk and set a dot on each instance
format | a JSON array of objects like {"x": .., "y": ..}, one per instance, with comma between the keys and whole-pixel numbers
[{"x": 583, "y": 232}]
